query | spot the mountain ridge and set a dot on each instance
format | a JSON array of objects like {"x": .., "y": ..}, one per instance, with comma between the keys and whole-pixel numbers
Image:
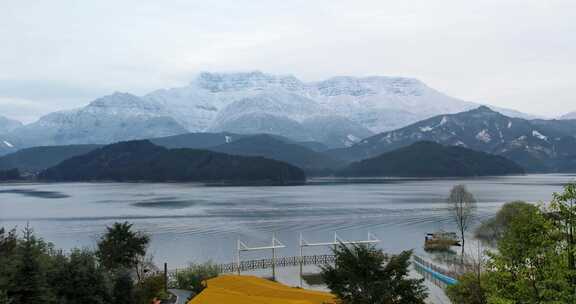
[
  {"x": 229, "y": 102},
  {"x": 537, "y": 145}
]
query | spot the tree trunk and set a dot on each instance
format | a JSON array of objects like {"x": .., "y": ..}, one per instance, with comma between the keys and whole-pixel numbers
[{"x": 462, "y": 251}]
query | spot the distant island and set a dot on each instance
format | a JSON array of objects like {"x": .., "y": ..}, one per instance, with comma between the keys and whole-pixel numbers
[
  {"x": 141, "y": 160},
  {"x": 429, "y": 159}
]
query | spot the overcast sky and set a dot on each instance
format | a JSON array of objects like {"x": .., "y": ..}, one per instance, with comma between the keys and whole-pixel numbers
[{"x": 58, "y": 54}]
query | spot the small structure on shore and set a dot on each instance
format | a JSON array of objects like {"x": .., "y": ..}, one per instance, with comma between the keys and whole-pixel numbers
[{"x": 440, "y": 240}]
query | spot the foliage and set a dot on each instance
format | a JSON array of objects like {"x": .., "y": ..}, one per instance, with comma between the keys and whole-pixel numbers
[
  {"x": 150, "y": 288},
  {"x": 362, "y": 276},
  {"x": 121, "y": 247},
  {"x": 4, "y": 299},
  {"x": 123, "y": 290},
  {"x": 564, "y": 206},
  {"x": 78, "y": 278},
  {"x": 194, "y": 277},
  {"x": 28, "y": 283},
  {"x": 469, "y": 290},
  {"x": 493, "y": 229},
  {"x": 535, "y": 256},
  {"x": 33, "y": 272},
  {"x": 528, "y": 267},
  {"x": 462, "y": 205},
  {"x": 8, "y": 246}
]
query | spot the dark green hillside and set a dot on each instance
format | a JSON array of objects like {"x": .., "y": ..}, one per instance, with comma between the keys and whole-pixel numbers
[
  {"x": 196, "y": 140},
  {"x": 273, "y": 147},
  {"x": 428, "y": 159},
  {"x": 40, "y": 158},
  {"x": 144, "y": 161}
]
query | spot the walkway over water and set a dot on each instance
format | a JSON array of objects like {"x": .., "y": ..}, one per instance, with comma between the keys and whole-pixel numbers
[
  {"x": 434, "y": 273},
  {"x": 430, "y": 271}
]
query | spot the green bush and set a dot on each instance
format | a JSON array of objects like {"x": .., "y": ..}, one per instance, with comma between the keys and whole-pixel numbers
[
  {"x": 493, "y": 229},
  {"x": 469, "y": 290},
  {"x": 150, "y": 288},
  {"x": 194, "y": 277}
]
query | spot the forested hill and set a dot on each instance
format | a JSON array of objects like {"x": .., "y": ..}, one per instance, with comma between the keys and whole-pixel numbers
[
  {"x": 143, "y": 161},
  {"x": 429, "y": 159}
]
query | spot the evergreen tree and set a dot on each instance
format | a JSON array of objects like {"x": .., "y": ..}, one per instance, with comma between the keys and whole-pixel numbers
[
  {"x": 29, "y": 285},
  {"x": 4, "y": 298},
  {"x": 79, "y": 279},
  {"x": 362, "y": 275},
  {"x": 123, "y": 292},
  {"x": 121, "y": 247}
]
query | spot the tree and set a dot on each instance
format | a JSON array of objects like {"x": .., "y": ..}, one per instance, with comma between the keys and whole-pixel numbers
[
  {"x": 149, "y": 288},
  {"x": 29, "y": 284},
  {"x": 123, "y": 291},
  {"x": 527, "y": 267},
  {"x": 492, "y": 230},
  {"x": 564, "y": 206},
  {"x": 462, "y": 205},
  {"x": 362, "y": 276},
  {"x": 4, "y": 298},
  {"x": 121, "y": 247},
  {"x": 8, "y": 247},
  {"x": 79, "y": 279},
  {"x": 469, "y": 290}
]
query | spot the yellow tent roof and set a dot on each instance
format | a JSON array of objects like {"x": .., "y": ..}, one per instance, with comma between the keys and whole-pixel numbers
[{"x": 231, "y": 289}]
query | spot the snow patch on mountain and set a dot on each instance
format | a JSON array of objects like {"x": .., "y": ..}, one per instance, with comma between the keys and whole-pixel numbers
[
  {"x": 539, "y": 135},
  {"x": 484, "y": 136}
]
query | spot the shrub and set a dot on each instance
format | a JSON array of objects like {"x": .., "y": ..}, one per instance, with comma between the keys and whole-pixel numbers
[
  {"x": 493, "y": 229},
  {"x": 469, "y": 290},
  {"x": 151, "y": 287},
  {"x": 194, "y": 277},
  {"x": 361, "y": 276}
]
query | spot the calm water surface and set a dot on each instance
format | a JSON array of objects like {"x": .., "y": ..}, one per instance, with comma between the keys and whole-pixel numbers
[{"x": 195, "y": 223}]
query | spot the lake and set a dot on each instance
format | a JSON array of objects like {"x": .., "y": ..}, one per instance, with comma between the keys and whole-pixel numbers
[{"x": 196, "y": 223}]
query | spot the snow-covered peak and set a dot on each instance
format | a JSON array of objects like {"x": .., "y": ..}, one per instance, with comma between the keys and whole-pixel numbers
[
  {"x": 571, "y": 115},
  {"x": 8, "y": 125},
  {"x": 224, "y": 82},
  {"x": 275, "y": 102},
  {"x": 125, "y": 102},
  {"x": 358, "y": 86}
]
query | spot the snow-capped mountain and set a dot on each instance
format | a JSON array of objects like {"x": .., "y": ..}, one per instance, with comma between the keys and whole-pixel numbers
[
  {"x": 571, "y": 115},
  {"x": 8, "y": 125},
  {"x": 378, "y": 103},
  {"x": 196, "y": 106},
  {"x": 284, "y": 113},
  {"x": 538, "y": 145},
  {"x": 338, "y": 111},
  {"x": 109, "y": 119}
]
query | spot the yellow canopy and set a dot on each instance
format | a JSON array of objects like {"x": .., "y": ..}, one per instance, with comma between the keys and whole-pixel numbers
[{"x": 231, "y": 289}]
